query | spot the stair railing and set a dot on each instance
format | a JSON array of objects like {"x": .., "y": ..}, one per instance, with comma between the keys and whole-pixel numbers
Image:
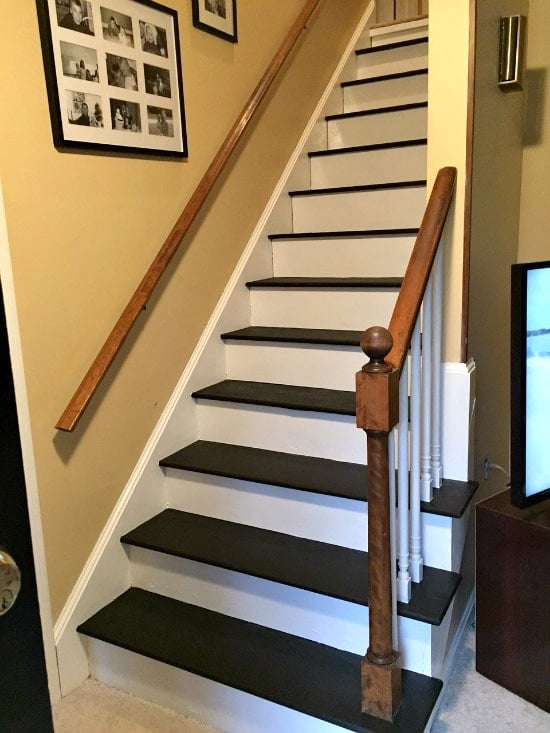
[
  {"x": 91, "y": 381},
  {"x": 382, "y": 404}
]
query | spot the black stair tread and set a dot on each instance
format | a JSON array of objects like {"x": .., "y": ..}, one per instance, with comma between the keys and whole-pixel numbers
[
  {"x": 368, "y": 148},
  {"x": 323, "y": 336},
  {"x": 387, "y": 109},
  {"x": 303, "y": 675},
  {"x": 385, "y": 77},
  {"x": 390, "y": 46},
  {"x": 326, "y": 282},
  {"x": 357, "y": 189},
  {"x": 314, "y": 399},
  {"x": 304, "y": 473},
  {"x": 283, "y": 558},
  {"x": 351, "y": 234}
]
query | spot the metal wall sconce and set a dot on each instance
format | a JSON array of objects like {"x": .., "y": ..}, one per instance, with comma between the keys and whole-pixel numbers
[{"x": 512, "y": 48}]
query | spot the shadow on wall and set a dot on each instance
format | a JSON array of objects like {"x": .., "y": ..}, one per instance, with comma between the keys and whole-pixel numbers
[{"x": 533, "y": 121}]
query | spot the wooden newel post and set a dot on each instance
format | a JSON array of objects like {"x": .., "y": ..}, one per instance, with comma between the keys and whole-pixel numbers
[{"x": 377, "y": 413}]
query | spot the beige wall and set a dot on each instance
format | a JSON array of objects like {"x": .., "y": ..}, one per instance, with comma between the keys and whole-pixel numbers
[
  {"x": 84, "y": 228},
  {"x": 495, "y": 220},
  {"x": 534, "y": 242},
  {"x": 447, "y": 127}
]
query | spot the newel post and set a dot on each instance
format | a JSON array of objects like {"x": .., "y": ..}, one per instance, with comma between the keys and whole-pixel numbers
[{"x": 377, "y": 412}]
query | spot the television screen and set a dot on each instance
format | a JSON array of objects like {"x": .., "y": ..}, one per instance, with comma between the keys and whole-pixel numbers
[{"x": 530, "y": 433}]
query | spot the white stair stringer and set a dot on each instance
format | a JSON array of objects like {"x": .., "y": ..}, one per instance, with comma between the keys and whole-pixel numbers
[{"x": 314, "y": 516}]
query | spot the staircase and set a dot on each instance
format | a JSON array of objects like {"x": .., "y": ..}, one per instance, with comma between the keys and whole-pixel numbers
[{"x": 248, "y": 604}]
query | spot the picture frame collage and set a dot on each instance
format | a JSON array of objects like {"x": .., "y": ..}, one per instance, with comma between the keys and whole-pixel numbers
[{"x": 113, "y": 73}]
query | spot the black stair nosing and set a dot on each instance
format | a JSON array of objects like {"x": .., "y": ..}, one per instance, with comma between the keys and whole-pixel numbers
[
  {"x": 385, "y": 77},
  {"x": 387, "y": 185},
  {"x": 286, "y": 559},
  {"x": 315, "y": 475},
  {"x": 303, "y": 675},
  {"x": 369, "y": 148},
  {"x": 391, "y": 46},
  {"x": 387, "y": 109},
  {"x": 376, "y": 283},
  {"x": 347, "y": 233},
  {"x": 275, "y": 334},
  {"x": 285, "y": 396}
]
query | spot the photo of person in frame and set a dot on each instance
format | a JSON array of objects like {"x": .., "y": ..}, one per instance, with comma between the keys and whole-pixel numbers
[
  {"x": 153, "y": 39},
  {"x": 117, "y": 27},
  {"x": 76, "y": 15},
  {"x": 157, "y": 81},
  {"x": 79, "y": 62},
  {"x": 125, "y": 115},
  {"x": 84, "y": 109},
  {"x": 121, "y": 72},
  {"x": 160, "y": 121},
  {"x": 217, "y": 7}
]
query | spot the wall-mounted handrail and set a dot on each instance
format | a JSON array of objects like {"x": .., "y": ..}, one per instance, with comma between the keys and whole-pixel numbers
[
  {"x": 377, "y": 395},
  {"x": 88, "y": 386}
]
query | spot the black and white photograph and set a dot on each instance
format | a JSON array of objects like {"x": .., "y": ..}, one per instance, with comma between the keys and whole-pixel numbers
[
  {"x": 117, "y": 27},
  {"x": 125, "y": 115},
  {"x": 113, "y": 67},
  {"x": 153, "y": 38},
  {"x": 75, "y": 15},
  {"x": 121, "y": 72},
  {"x": 160, "y": 121},
  {"x": 79, "y": 62},
  {"x": 157, "y": 81},
  {"x": 84, "y": 109},
  {"x": 218, "y": 17}
]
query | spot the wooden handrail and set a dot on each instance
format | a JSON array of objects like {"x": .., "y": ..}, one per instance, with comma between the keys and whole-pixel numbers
[
  {"x": 87, "y": 388},
  {"x": 418, "y": 270},
  {"x": 377, "y": 411}
]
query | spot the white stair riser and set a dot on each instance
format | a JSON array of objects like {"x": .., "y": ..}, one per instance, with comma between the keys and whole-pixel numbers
[
  {"x": 366, "y": 167},
  {"x": 406, "y": 31},
  {"x": 392, "y": 61},
  {"x": 392, "y": 208},
  {"x": 290, "y": 431},
  {"x": 314, "y": 308},
  {"x": 408, "y": 124},
  {"x": 215, "y": 704},
  {"x": 303, "y": 514},
  {"x": 373, "y": 256},
  {"x": 403, "y": 90},
  {"x": 319, "y": 618},
  {"x": 331, "y": 367}
]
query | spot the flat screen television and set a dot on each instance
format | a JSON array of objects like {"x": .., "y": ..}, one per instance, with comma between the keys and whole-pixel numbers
[{"x": 530, "y": 384}]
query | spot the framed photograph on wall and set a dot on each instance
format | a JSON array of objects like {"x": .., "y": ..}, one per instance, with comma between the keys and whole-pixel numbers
[
  {"x": 218, "y": 17},
  {"x": 113, "y": 76}
]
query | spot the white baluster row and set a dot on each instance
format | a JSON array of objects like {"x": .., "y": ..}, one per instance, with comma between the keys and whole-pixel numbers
[{"x": 418, "y": 436}]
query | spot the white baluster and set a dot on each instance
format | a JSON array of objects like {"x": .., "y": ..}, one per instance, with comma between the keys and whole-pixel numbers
[
  {"x": 415, "y": 536},
  {"x": 426, "y": 448},
  {"x": 403, "y": 576},
  {"x": 393, "y": 543},
  {"x": 436, "y": 465}
]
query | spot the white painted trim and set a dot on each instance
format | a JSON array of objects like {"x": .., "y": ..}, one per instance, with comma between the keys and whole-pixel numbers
[
  {"x": 458, "y": 407},
  {"x": 107, "y": 573},
  {"x": 23, "y": 416}
]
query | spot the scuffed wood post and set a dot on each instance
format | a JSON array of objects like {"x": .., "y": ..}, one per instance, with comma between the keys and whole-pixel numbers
[{"x": 377, "y": 413}]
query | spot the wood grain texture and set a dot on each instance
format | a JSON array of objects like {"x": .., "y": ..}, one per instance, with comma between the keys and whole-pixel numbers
[
  {"x": 88, "y": 386},
  {"x": 419, "y": 268}
]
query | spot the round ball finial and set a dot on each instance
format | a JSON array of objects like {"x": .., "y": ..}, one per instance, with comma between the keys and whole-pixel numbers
[{"x": 376, "y": 343}]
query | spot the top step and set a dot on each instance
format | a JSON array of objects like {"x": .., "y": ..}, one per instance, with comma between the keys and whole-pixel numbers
[{"x": 392, "y": 58}]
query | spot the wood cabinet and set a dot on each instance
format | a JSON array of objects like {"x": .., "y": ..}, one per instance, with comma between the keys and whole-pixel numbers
[{"x": 513, "y": 597}]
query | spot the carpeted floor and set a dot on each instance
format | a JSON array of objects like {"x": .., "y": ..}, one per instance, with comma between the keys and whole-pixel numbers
[{"x": 470, "y": 704}]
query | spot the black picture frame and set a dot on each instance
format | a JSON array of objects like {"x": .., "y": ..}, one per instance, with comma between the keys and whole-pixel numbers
[
  {"x": 218, "y": 17},
  {"x": 114, "y": 76}
]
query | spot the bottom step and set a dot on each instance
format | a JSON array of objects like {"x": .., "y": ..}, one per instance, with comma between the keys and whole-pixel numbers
[{"x": 311, "y": 678}]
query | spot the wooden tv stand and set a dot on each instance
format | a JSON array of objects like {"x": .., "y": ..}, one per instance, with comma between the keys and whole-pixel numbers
[{"x": 513, "y": 596}]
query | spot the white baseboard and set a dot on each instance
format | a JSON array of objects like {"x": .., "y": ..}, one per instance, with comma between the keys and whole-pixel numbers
[{"x": 107, "y": 571}]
